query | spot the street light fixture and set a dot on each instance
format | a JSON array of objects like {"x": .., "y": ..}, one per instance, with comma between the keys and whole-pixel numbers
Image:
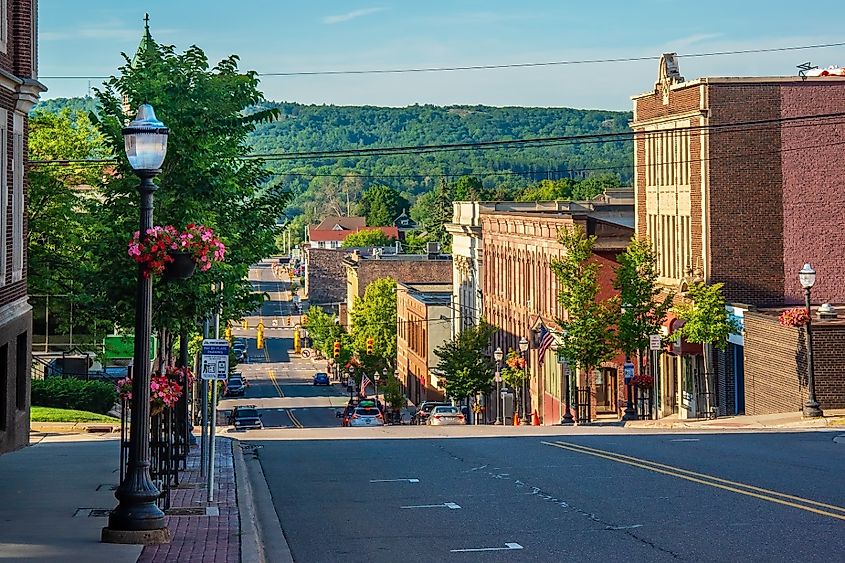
[
  {"x": 376, "y": 379},
  {"x": 523, "y": 347},
  {"x": 498, "y": 355},
  {"x": 137, "y": 519},
  {"x": 807, "y": 279}
]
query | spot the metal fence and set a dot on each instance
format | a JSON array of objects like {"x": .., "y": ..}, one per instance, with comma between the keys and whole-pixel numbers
[{"x": 582, "y": 405}]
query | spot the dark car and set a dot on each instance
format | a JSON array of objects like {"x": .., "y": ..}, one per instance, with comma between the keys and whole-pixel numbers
[
  {"x": 235, "y": 387},
  {"x": 321, "y": 379},
  {"x": 246, "y": 417},
  {"x": 422, "y": 414}
]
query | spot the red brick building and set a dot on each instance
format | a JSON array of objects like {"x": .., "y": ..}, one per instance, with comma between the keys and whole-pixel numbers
[
  {"x": 424, "y": 318},
  {"x": 520, "y": 290},
  {"x": 332, "y": 231},
  {"x": 734, "y": 184},
  {"x": 19, "y": 91}
]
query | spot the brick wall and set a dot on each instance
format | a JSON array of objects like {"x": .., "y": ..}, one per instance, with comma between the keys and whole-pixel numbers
[
  {"x": 829, "y": 363},
  {"x": 403, "y": 271},
  {"x": 325, "y": 280}
]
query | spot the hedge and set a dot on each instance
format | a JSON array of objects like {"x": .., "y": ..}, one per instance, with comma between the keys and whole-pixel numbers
[{"x": 71, "y": 393}]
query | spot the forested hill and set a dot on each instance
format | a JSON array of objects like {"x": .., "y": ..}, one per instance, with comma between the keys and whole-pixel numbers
[{"x": 304, "y": 128}]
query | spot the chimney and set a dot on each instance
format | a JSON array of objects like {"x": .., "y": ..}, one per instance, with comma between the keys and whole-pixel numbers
[
  {"x": 432, "y": 249},
  {"x": 826, "y": 311}
]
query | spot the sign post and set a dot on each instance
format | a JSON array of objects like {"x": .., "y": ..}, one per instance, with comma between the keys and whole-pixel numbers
[{"x": 214, "y": 367}]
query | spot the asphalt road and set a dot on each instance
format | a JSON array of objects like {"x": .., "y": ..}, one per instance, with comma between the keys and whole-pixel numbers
[{"x": 535, "y": 501}]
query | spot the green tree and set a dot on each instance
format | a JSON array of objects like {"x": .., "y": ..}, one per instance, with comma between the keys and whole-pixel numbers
[
  {"x": 56, "y": 227},
  {"x": 367, "y": 237},
  {"x": 470, "y": 188},
  {"x": 205, "y": 179},
  {"x": 381, "y": 204},
  {"x": 432, "y": 211},
  {"x": 707, "y": 322},
  {"x": 374, "y": 316},
  {"x": 463, "y": 362},
  {"x": 589, "y": 334},
  {"x": 643, "y": 311}
]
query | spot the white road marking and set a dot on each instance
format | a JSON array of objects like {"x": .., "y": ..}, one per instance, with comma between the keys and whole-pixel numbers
[
  {"x": 450, "y": 505},
  {"x": 685, "y": 440},
  {"x": 393, "y": 480},
  {"x": 623, "y": 527},
  {"x": 508, "y": 546}
]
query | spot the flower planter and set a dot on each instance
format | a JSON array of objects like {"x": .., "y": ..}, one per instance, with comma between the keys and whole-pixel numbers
[{"x": 181, "y": 268}]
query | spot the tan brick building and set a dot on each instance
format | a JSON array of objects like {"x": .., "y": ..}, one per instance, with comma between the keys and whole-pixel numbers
[
  {"x": 423, "y": 313},
  {"x": 520, "y": 290},
  {"x": 19, "y": 91},
  {"x": 733, "y": 184}
]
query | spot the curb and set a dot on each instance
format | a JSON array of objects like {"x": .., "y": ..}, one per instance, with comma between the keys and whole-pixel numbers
[
  {"x": 73, "y": 427},
  {"x": 262, "y": 538}
]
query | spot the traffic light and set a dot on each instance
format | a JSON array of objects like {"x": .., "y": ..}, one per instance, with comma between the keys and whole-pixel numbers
[
  {"x": 304, "y": 320},
  {"x": 337, "y": 348},
  {"x": 245, "y": 324},
  {"x": 370, "y": 343},
  {"x": 229, "y": 333},
  {"x": 288, "y": 321},
  {"x": 260, "y": 336}
]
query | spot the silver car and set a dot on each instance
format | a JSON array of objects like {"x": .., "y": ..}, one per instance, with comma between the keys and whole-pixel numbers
[
  {"x": 366, "y": 416},
  {"x": 442, "y": 416}
]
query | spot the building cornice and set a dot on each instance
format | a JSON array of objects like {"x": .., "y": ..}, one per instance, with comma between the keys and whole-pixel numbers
[
  {"x": 14, "y": 310},
  {"x": 668, "y": 118}
]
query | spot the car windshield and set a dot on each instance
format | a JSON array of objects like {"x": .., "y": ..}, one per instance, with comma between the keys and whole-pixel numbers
[
  {"x": 321, "y": 376},
  {"x": 428, "y": 408},
  {"x": 246, "y": 413},
  {"x": 235, "y": 382},
  {"x": 367, "y": 412},
  {"x": 446, "y": 410}
]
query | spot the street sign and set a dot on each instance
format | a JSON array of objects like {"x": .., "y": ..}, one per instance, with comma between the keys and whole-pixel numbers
[
  {"x": 275, "y": 323},
  {"x": 215, "y": 359},
  {"x": 654, "y": 342},
  {"x": 306, "y": 353},
  {"x": 628, "y": 370}
]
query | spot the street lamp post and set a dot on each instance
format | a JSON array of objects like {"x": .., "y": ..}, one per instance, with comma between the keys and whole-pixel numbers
[
  {"x": 351, "y": 382},
  {"x": 628, "y": 372},
  {"x": 376, "y": 379},
  {"x": 523, "y": 347},
  {"x": 807, "y": 278},
  {"x": 567, "y": 413},
  {"x": 137, "y": 519},
  {"x": 500, "y": 401}
]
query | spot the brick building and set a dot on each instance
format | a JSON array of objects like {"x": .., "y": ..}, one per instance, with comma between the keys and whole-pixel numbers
[
  {"x": 733, "y": 185},
  {"x": 325, "y": 276},
  {"x": 19, "y": 91},
  {"x": 520, "y": 290},
  {"x": 423, "y": 314},
  {"x": 362, "y": 269}
]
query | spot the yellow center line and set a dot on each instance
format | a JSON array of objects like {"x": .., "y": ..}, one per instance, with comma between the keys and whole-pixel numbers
[
  {"x": 703, "y": 480},
  {"x": 271, "y": 373},
  {"x": 294, "y": 419}
]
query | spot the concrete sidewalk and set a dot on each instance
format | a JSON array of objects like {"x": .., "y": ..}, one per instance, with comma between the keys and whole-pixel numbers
[
  {"x": 48, "y": 492},
  {"x": 833, "y": 418}
]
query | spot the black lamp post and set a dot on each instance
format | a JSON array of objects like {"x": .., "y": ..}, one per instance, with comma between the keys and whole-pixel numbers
[
  {"x": 137, "y": 519},
  {"x": 500, "y": 401},
  {"x": 628, "y": 372},
  {"x": 523, "y": 347},
  {"x": 807, "y": 278},
  {"x": 351, "y": 382},
  {"x": 567, "y": 413},
  {"x": 376, "y": 379}
]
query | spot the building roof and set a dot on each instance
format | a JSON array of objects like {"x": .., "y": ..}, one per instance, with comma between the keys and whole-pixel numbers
[
  {"x": 433, "y": 293},
  {"x": 340, "y": 235},
  {"x": 747, "y": 80},
  {"x": 340, "y": 224}
]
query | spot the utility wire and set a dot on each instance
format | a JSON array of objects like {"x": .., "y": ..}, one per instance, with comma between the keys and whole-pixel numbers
[{"x": 504, "y": 65}]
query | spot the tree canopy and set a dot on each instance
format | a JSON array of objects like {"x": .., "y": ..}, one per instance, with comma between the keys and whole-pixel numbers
[
  {"x": 365, "y": 238},
  {"x": 381, "y": 205},
  {"x": 464, "y": 363},
  {"x": 374, "y": 316}
]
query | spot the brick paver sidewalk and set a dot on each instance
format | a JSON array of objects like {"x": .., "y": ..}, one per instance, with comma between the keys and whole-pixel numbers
[{"x": 210, "y": 537}]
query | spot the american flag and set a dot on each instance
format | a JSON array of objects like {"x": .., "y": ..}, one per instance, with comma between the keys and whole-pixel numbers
[
  {"x": 365, "y": 381},
  {"x": 546, "y": 341}
]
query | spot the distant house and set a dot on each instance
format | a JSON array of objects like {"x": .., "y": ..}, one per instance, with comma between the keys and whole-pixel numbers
[
  {"x": 332, "y": 231},
  {"x": 405, "y": 224}
]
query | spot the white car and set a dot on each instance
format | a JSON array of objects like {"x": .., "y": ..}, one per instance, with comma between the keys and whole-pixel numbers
[
  {"x": 366, "y": 416},
  {"x": 442, "y": 416}
]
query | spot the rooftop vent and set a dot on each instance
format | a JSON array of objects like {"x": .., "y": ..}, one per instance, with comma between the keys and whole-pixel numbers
[
  {"x": 826, "y": 311},
  {"x": 432, "y": 248}
]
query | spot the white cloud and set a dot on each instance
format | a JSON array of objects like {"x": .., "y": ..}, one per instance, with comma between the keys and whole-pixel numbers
[{"x": 339, "y": 18}]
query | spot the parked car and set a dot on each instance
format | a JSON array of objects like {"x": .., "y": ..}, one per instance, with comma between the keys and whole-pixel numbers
[
  {"x": 421, "y": 416},
  {"x": 246, "y": 417},
  {"x": 321, "y": 379},
  {"x": 239, "y": 348},
  {"x": 366, "y": 416},
  {"x": 235, "y": 387},
  {"x": 444, "y": 416}
]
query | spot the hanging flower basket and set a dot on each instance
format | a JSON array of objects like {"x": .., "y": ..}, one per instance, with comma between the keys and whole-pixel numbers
[
  {"x": 164, "y": 392},
  {"x": 796, "y": 317},
  {"x": 181, "y": 266},
  {"x": 166, "y": 251},
  {"x": 643, "y": 381}
]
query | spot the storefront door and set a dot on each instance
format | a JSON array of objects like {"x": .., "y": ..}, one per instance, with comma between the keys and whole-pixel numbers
[{"x": 605, "y": 390}]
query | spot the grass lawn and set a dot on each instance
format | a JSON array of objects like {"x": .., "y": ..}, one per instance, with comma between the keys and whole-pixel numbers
[{"x": 49, "y": 414}]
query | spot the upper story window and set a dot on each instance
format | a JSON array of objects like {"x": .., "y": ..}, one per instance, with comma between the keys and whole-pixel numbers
[
  {"x": 667, "y": 155},
  {"x": 4, "y": 26},
  {"x": 17, "y": 197}
]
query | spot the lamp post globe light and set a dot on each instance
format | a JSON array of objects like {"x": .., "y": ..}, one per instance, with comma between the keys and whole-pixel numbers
[
  {"x": 498, "y": 355},
  {"x": 137, "y": 519},
  {"x": 807, "y": 279},
  {"x": 523, "y": 347}
]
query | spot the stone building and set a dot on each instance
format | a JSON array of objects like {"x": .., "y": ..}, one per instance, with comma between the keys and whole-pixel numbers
[
  {"x": 423, "y": 314},
  {"x": 325, "y": 276},
  {"x": 19, "y": 91},
  {"x": 733, "y": 184},
  {"x": 520, "y": 243}
]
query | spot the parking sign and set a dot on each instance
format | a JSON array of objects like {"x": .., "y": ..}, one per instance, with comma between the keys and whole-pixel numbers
[{"x": 215, "y": 359}]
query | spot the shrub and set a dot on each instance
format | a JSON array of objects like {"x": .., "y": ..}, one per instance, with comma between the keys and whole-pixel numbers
[{"x": 77, "y": 394}]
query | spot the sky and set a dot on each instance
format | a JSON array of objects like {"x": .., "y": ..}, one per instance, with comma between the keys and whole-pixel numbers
[{"x": 86, "y": 38}]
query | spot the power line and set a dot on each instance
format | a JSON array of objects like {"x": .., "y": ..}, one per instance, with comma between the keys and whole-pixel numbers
[{"x": 503, "y": 65}]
